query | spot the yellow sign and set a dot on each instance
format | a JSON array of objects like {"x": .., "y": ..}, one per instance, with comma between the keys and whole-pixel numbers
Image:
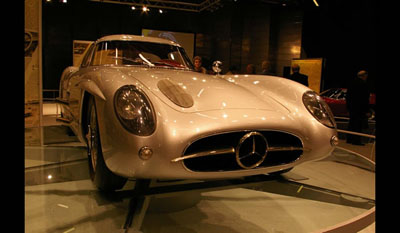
[
  {"x": 80, "y": 47},
  {"x": 313, "y": 69}
]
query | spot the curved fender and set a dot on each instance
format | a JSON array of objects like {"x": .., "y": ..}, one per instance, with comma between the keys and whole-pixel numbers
[
  {"x": 91, "y": 87},
  {"x": 67, "y": 73},
  {"x": 64, "y": 81}
]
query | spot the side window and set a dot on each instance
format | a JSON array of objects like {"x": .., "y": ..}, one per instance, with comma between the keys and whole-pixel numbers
[{"x": 88, "y": 56}]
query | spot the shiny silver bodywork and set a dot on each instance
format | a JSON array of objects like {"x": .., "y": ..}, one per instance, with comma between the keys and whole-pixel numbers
[{"x": 221, "y": 104}]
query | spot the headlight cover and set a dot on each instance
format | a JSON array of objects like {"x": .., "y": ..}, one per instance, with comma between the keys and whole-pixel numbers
[
  {"x": 134, "y": 110},
  {"x": 319, "y": 109}
]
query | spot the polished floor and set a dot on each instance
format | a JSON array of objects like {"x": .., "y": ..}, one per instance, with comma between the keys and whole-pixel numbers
[{"x": 59, "y": 196}]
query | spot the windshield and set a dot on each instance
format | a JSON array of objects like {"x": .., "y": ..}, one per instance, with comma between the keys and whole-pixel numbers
[{"x": 140, "y": 53}]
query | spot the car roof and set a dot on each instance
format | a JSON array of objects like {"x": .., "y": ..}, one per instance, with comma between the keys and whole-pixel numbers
[{"x": 137, "y": 38}]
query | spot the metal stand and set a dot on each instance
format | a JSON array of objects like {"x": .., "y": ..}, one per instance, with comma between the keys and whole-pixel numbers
[{"x": 138, "y": 206}]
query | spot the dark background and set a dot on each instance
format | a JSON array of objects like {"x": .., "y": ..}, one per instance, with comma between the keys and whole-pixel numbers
[{"x": 239, "y": 32}]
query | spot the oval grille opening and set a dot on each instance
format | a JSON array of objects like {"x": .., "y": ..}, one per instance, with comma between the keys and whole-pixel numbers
[{"x": 283, "y": 148}]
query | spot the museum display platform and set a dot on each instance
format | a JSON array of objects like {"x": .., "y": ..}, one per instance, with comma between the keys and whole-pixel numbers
[{"x": 314, "y": 197}]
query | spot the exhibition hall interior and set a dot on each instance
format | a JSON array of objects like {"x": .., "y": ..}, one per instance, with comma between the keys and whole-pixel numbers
[{"x": 195, "y": 116}]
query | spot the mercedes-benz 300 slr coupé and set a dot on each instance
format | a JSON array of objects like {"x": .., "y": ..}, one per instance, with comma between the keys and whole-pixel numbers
[{"x": 144, "y": 113}]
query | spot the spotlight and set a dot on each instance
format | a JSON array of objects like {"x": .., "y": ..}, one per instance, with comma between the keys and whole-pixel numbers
[
  {"x": 133, "y": 8},
  {"x": 160, "y": 11},
  {"x": 145, "y": 9}
]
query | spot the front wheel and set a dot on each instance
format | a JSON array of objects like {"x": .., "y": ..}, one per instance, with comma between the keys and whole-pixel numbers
[{"x": 101, "y": 176}]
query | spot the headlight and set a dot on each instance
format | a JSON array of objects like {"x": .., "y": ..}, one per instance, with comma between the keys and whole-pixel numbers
[
  {"x": 134, "y": 111},
  {"x": 318, "y": 108}
]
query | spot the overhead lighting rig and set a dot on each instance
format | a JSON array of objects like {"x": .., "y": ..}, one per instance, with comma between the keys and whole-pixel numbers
[
  {"x": 60, "y": 1},
  {"x": 191, "y": 6}
]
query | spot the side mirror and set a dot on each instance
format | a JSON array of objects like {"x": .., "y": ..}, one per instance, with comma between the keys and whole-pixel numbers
[{"x": 217, "y": 67}]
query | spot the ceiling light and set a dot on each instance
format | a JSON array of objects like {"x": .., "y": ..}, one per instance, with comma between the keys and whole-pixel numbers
[
  {"x": 160, "y": 11},
  {"x": 145, "y": 9},
  {"x": 133, "y": 8}
]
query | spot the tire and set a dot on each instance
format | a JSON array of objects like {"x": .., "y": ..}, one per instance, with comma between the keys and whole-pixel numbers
[{"x": 101, "y": 176}]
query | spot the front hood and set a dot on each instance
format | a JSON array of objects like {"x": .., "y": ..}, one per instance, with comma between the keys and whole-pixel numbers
[{"x": 208, "y": 92}]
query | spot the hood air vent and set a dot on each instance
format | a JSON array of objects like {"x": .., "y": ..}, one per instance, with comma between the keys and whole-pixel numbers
[{"x": 175, "y": 93}]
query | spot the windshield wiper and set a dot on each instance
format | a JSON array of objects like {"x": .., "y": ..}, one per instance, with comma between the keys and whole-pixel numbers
[{"x": 145, "y": 60}]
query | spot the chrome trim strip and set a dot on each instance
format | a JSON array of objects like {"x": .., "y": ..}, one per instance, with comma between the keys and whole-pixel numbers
[
  {"x": 282, "y": 148},
  {"x": 232, "y": 150},
  {"x": 205, "y": 153}
]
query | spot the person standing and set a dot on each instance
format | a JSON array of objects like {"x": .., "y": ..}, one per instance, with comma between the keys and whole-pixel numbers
[
  {"x": 198, "y": 65},
  {"x": 265, "y": 67},
  {"x": 297, "y": 76},
  {"x": 250, "y": 69},
  {"x": 357, "y": 103}
]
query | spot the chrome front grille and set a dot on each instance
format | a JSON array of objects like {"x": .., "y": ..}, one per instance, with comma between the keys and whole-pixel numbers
[{"x": 241, "y": 150}]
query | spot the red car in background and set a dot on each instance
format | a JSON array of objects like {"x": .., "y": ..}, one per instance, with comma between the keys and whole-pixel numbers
[{"x": 336, "y": 99}]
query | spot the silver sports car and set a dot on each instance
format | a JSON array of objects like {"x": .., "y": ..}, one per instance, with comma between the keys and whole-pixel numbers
[{"x": 143, "y": 112}]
